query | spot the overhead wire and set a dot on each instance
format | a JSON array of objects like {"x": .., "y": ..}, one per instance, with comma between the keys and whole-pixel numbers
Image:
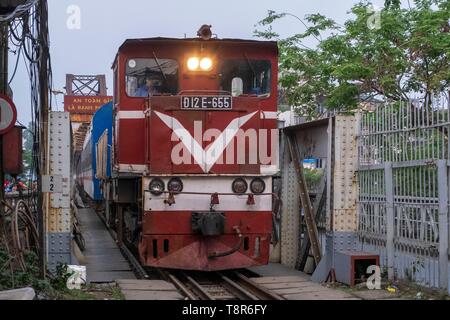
[
  {"x": 19, "y": 10},
  {"x": 26, "y": 43}
]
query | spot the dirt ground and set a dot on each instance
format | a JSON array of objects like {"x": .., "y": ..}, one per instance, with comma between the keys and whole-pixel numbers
[{"x": 395, "y": 291}]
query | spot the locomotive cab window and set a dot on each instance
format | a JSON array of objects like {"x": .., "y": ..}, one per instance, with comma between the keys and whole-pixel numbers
[
  {"x": 148, "y": 77},
  {"x": 246, "y": 77}
]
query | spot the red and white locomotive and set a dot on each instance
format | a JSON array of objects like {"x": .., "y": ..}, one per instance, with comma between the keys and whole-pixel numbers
[{"x": 194, "y": 150}]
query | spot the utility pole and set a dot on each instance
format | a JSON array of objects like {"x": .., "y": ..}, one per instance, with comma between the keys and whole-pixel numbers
[
  {"x": 43, "y": 201},
  {"x": 3, "y": 90}
]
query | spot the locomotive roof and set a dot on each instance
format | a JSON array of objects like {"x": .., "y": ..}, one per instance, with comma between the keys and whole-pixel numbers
[
  {"x": 195, "y": 40},
  {"x": 131, "y": 42}
]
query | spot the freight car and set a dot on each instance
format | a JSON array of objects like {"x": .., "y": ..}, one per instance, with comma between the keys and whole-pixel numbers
[{"x": 195, "y": 146}]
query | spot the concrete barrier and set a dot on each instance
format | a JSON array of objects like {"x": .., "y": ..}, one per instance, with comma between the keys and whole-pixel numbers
[{"x": 19, "y": 294}]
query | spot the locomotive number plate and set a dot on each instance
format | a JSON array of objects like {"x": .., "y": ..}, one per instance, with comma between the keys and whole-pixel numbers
[{"x": 207, "y": 103}]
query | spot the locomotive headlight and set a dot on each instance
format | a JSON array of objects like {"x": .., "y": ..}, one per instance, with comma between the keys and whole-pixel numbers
[
  {"x": 193, "y": 63},
  {"x": 240, "y": 186},
  {"x": 257, "y": 186},
  {"x": 156, "y": 187},
  {"x": 206, "y": 64},
  {"x": 175, "y": 185}
]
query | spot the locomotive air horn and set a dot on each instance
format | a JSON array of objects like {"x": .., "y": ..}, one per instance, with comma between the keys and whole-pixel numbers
[
  {"x": 171, "y": 200},
  {"x": 205, "y": 32}
]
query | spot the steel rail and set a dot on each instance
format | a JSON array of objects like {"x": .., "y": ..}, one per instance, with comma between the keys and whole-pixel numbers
[
  {"x": 198, "y": 288},
  {"x": 243, "y": 289},
  {"x": 239, "y": 291},
  {"x": 135, "y": 264},
  {"x": 236, "y": 284},
  {"x": 260, "y": 291},
  {"x": 177, "y": 283}
]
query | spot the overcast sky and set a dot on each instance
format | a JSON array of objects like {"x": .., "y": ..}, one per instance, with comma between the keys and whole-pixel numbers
[{"x": 105, "y": 24}]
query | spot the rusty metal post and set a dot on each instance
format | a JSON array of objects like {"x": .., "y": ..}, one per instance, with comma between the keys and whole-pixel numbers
[
  {"x": 306, "y": 202},
  {"x": 290, "y": 217},
  {"x": 43, "y": 132},
  {"x": 3, "y": 90}
]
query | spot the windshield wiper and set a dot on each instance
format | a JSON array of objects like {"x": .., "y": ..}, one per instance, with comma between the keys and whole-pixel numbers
[
  {"x": 160, "y": 67},
  {"x": 250, "y": 65}
]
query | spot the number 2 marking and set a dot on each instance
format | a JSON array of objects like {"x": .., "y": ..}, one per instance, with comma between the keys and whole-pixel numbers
[{"x": 52, "y": 186}]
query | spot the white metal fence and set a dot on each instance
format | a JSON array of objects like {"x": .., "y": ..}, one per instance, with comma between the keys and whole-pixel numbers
[{"x": 404, "y": 189}]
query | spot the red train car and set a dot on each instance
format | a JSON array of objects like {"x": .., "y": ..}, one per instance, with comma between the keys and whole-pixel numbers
[{"x": 195, "y": 149}]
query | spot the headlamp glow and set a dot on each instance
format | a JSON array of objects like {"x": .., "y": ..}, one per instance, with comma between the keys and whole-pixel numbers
[
  {"x": 193, "y": 63},
  {"x": 197, "y": 64},
  {"x": 206, "y": 64}
]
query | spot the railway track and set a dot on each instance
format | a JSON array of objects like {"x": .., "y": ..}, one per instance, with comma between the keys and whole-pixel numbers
[
  {"x": 230, "y": 285},
  {"x": 194, "y": 285}
]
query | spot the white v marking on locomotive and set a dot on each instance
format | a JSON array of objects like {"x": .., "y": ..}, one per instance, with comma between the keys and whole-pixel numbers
[{"x": 206, "y": 159}]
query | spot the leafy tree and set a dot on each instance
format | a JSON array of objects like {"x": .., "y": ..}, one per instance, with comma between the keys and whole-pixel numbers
[{"x": 403, "y": 54}]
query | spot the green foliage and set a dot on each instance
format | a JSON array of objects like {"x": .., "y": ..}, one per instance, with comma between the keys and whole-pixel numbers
[
  {"x": 406, "y": 55},
  {"x": 392, "y": 4},
  {"x": 11, "y": 279},
  {"x": 76, "y": 295},
  {"x": 117, "y": 294},
  {"x": 62, "y": 275},
  {"x": 54, "y": 288},
  {"x": 313, "y": 177}
]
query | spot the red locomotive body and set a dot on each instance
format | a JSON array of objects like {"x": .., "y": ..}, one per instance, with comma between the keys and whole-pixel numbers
[{"x": 195, "y": 149}]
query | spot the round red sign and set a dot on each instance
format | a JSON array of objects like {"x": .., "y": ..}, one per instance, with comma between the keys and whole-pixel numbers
[{"x": 8, "y": 114}]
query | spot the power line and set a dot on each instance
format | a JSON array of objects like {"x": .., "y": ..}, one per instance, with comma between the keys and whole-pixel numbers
[
  {"x": 19, "y": 11},
  {"x": 28, "y": 28}
]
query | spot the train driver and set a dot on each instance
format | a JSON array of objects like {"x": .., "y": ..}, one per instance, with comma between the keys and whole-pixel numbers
[{"x": 150, "y": 87}]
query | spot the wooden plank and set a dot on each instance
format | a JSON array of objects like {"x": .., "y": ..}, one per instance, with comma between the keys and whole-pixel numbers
[
  {"x": 317, "y": 212},
  {"x": 146, "y": 285},
  {"x": 106, "y": 257},
  {"x": 151, "y": 295},
  {"x": 104, "y": 260},
  {"x": 95, "y": 243},
  {"x": 305, "y": 201},
  {"x": 330, "y": 295},
  {"x": 108, "y": 277},
  {"x": 306, "y": 288},
  {"x": 285, "y": 285},
  {"x": 265, "y": 280},
  {"x": 292, "y": 290},
  {"x": 99, "y": 250},
  {"x": 109, "y": 267},
  {"x": 100, "y": 264}
]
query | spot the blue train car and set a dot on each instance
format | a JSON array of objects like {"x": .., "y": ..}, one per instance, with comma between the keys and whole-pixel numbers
[{"x": 96, "y": 154}]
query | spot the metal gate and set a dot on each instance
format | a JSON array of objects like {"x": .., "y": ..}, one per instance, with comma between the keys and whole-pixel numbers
[{"x": 404, "y": 189}]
